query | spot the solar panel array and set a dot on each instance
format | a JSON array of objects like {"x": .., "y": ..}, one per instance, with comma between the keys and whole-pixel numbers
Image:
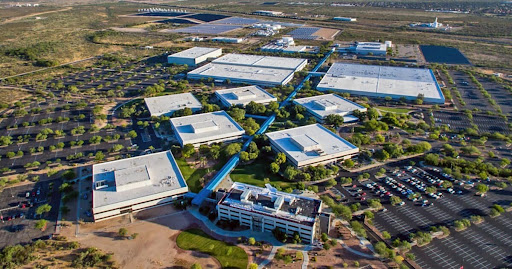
[
  {"x": 182, "y": 21},
  {"x": 211, "y": 29},
  {"x": 206, "y": 17},
  {"x": 238, "y": 21},
  {"x": 304, "y": 33}
]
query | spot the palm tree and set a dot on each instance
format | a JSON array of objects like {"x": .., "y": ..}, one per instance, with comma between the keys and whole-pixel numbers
[{"x": 202, "y": 161}]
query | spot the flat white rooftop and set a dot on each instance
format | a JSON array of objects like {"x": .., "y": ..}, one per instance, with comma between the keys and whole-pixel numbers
[
  {"x": 382, "y": 81},
  {"x": 323, "y": 105},
  {"x": 244, "y": 95},
  {"x": 162, "y": 105},
  {"x": 262, "y": 61},
  {"x": 194, "y": 52},
  {"x": 310, "y": 144},
  {"x": 269, "y": 201},
  {"x": 201, "y": 128},
  {"x": 135, "y": 178},
  {"x": 251, "y": 69}
]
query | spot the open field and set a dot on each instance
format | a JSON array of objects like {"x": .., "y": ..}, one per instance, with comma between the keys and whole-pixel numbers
[
  {"x": 10, "y": 95},
  {"x": 229, "y": 256}
]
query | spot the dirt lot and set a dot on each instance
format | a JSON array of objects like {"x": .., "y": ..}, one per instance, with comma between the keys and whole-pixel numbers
[
  {"x": 326, "y": 33},
  {"x": 11, "y": 94},
  {"x": 149, "y": 249}
]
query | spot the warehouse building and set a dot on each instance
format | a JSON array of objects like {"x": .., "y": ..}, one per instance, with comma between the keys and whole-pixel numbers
[
  {"x": 322, "y": 106},
  {"x": 244, "y": 95},
  {"x": 206, "y": 128},
  {"x": 168, "y": 104},
  {"x": 194, "y": 56},
  {"x": 130, "y": 185},
  {"x": 265, "y": 209},
  {"x": 250, "y": 69},
  {"x": 311, "y": 145},
  {"x": 382, "y": 81}
]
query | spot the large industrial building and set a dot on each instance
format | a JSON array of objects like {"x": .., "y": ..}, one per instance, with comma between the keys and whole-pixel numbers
[
  {"x": 129, "y": 185},
  {"x": 244, "y": 95},
  {"x": 194, "y": 56},
  {"x": 382, "y": 81},
  {"x": 311, "y": 145},
  {"x": 168, "y": 104},
  {"x": 322, "y": 106},
  {"x": 265, "y": 209},
  {"x": 250, "y": 69},
  {"x": 206, "y": 128}
]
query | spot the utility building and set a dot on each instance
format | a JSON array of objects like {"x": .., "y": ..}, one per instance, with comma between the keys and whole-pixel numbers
[
  {"x": 311, "y": 145},
  {"x": 168, "y": 104},
  {"x": 244, "y": 95},
  {"x": 322, "y": 106},
  {"x": 130, "y": 185},
  {"x": 194, "y": 56},
  {"x": 206, "y": 128},
  {"x": 266, "y": 209}
]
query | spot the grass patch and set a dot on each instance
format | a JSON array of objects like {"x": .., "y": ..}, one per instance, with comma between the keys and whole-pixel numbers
[
  {"x": 228, "y": 255},
  {"x": 193, "y": 175},
  {"x": 394, "y": 110},
  {"x": 255, "y": 172}
]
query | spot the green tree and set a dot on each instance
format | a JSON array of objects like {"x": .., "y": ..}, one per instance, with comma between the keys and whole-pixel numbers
[
  {"x": 280, "y": 158},
  {"x": 232, "y": 149},
  {"x": 482, "y": 188},
  {"x": 196, "y": 266},
  {"x": 122, "y": 232},
  {"x": 43, "y": 209},
  {"x": 386, "y": 235},
  {"x": 395, "y": 200},
  {"x": 41, "y": 224},
  {"x": 188, "y": 150},
  {"x": 334, "y": 120},
  {"x": 274, "y": 168}
]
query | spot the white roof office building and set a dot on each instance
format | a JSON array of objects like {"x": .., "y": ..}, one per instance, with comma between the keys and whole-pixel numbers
[
  {"x": 311, "y": 145},
  {"x": 194, "y": 56},
  {"x": 129, "y": 185},
  {"x": 250, "y": 69},
  {"x": 168, "y": 104},
  {"x": 382, "y": 81},
  {"x": 265, "y": 209},
  {"x": 206, "y": 128},
  {"x": 244, "y": 95},
  {"x": 322, "y": 106}
]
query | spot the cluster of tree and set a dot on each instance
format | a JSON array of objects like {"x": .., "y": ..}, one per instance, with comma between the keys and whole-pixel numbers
[
  {"x": 460, "y": 165},
  {"x": 340, "y": 210},
  {"x": 251, "y": 153},
  {"x": 391, "y": 150}
]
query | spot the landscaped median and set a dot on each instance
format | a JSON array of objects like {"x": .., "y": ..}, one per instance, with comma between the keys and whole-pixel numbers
[{"x": 229, "y": 256}]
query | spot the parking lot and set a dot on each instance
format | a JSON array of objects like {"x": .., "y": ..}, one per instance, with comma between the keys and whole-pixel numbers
[
  {"x": 455, "y": 120},
  {"x": 501, "y": 95},
  {"x": 458, "y": 121},
  {"x": 62, "y": 112},
  {"x": 17, "y": 212},
  {"x": 460, "y": 248},
  {"x": 470, "y": 93}
]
